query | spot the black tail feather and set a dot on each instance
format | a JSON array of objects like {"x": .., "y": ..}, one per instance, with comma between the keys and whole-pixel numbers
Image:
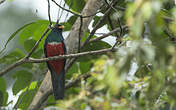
[{"x": 58, "y": 82}]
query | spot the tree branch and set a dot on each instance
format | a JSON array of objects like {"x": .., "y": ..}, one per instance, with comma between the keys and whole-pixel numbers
[
  {"x": 108, "y": 34},
  {"x": 97, "y": 52},
  {"x": 49, "y": 17}
]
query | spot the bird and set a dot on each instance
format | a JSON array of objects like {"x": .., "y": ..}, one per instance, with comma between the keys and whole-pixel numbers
[{"x": 54, "y": 45}]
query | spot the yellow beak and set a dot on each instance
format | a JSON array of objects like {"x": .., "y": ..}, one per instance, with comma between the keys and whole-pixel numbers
[{"x": 61, "y": 27}]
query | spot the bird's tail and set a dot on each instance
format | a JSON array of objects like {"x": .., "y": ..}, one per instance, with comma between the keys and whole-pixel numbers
[{"x": 58, "y": 82}]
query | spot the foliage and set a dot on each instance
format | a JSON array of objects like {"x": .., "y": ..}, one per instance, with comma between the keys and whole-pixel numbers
[{"x": 115, "y": 82}]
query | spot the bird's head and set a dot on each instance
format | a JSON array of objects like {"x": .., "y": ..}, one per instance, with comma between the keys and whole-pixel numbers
[{"x": 59, "y": 27}]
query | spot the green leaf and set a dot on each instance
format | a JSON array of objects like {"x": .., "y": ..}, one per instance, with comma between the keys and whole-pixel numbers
[
  {"x": 23, "y": 79},
  {"x": 73, "y": 90},
  {"x": 39, "y": 32},
  {"x": 76, "y": 5},
  {"x": 26, "y": 100},
  {"x": 3, "y": 93},
  {"x": 29, "y": 44},
  {"x": 29, "y": 94},
  {"x": 72, "y": 20},
  {"x": 42, "y": 26},
  {"x": 34, "y": 31},
  {"x": 85, "y": 67},
  {"x": 113, "y": 80},
  {"x": 9, "y": 58},
  {"x": 27, "y": 65},
  {"x": 86, "y": 35},
  {"x": 51, "y": 100},
  {"x": 27, "y": 32},
  {"x": 33, "y": 85},
  {"x": 38, "y": 53},
  {"x": 96, "y": 20},
  {"x": 97, "y": 45},
  {"x": 42, "y": 66},
  {"x": 3, "y": 84},
  {"x": 13, "y": 35},
  {"x": 72, "y": 70},
  {"x": 69, "y": 23},
  {"x": 2, "y": 98}
]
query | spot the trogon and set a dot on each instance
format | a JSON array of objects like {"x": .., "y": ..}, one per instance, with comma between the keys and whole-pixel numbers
[{"x": 54, "y": 46}]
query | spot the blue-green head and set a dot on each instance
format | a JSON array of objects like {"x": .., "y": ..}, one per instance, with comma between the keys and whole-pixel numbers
[{"x": 56, "y": 34}]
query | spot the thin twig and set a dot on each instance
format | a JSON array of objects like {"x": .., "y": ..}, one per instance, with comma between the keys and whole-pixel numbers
[
  {"x": 108, "y": 34},
  {"x": 121, "y": 29},
  {"x": 79, "y": 38},
  {"x": 58, "y": 18},
  {"x": 106, "y": 2},
  {"x": 112, "y": 27},
  {"x": 49, "y": 14},
  {"x": 102, "y": 51},
  {"x": 70, "y": 6},
  {"x": 116, "y": 6},
  {"x": 120, "y": 8},
  {"x": 118, "y": 38},
  {"x": 62, "y": 12}
]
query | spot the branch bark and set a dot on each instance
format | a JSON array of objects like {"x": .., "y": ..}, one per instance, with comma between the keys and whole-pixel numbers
[
  {"x": 72, "y": 40},
  {"x": 32, "y": 60}
]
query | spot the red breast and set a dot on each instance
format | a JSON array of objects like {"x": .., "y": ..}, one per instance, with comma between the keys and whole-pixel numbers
[{"x": 55, "y": 49}]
